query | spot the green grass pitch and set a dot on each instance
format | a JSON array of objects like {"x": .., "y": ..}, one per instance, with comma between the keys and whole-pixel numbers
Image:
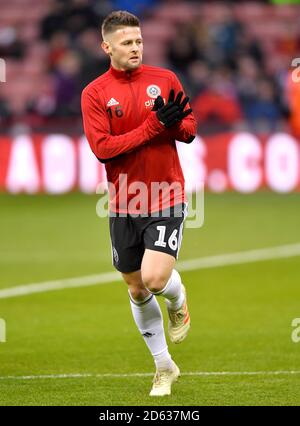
[{"x": 241, "y": 314}]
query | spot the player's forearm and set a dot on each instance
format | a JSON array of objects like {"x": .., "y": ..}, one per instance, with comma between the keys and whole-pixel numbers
[
  {"x": 185, "y": 130},
  {"x": 106, "y": 146}
]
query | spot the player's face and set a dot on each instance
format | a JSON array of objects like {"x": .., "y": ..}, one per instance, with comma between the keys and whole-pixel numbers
[{"x": 125, "y": 47}]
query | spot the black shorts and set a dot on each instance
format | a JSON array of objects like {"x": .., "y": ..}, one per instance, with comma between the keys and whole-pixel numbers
[{"x": 132, "y": 234}]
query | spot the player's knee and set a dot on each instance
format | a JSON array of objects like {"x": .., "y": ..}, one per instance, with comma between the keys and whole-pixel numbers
[
  {"x": 138, "y": 293},
  {"x": 155, "y": 282},
  {"x": 136, "y": 287}
]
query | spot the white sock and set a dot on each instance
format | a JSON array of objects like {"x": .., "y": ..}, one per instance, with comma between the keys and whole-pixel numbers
[
  {"x": 148, "y": 318},
  {"x": 173, "y": 292},
  {"x": 163, "y": 361}
]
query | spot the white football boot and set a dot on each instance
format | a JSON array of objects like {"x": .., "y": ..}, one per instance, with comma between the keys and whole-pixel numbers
[
  {"x": 163, "y": 381},
  {"x": 179, "y": 321}
]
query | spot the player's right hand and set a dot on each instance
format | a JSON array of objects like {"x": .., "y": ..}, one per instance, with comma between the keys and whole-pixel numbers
[{"x": 173, "y": 111}]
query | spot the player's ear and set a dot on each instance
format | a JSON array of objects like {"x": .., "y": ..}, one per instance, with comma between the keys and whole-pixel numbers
[{"x": 106, "y": 47}]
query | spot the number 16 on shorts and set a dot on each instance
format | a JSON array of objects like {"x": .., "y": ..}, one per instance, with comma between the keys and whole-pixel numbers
[{"x": 172, "y": 241}]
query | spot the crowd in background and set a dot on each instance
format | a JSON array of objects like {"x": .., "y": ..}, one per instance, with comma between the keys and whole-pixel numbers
[
  {"x": 227, "y": 76},
  {"x": 221, "y": 66}
]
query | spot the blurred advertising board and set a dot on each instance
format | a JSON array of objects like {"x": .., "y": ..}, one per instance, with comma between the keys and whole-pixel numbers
[{"x": 243, "y": 162}]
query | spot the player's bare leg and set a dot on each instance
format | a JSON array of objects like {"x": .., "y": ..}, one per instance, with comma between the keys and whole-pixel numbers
[
  {"x": 148, "y": 318},
  {"x": 136, "y": 286},
  {"x": 160, "y": 277}
]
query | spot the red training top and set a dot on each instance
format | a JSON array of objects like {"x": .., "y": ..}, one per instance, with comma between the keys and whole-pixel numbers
[{"x": 140, "y": 154}]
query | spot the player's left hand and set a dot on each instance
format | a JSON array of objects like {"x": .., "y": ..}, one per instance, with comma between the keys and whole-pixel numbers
[
  {"x": 159, "y": 103},
  {"x": 181, "y": 105}
]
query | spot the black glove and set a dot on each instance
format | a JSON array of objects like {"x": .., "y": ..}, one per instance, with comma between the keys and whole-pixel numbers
[
  {"x": 172, "y": 112},
  {"x": 159, "y": 103},
  {"x": 181, "y": 106},
  {"x": 167, "y": 114}
]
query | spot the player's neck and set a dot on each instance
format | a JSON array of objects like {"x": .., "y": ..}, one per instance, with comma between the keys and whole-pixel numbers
[
  {"x": 126, "y": 74},
  {"x": 123, "y": 69}
]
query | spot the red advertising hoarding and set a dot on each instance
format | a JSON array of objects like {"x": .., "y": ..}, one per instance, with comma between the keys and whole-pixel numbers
[{"x": 58, "y": 163}]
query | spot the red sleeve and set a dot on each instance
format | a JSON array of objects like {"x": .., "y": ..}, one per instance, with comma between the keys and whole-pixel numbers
[
  {"x": 97, "y": 129},
  {"x": 185, "y": 130}
]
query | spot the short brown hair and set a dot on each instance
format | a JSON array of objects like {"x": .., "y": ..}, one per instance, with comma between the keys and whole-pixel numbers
[{"x": 117, "y": 19}]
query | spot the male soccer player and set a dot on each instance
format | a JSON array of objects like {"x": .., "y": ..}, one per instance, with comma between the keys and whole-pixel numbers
[{"x": 132, "y": 116}]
